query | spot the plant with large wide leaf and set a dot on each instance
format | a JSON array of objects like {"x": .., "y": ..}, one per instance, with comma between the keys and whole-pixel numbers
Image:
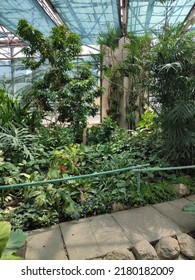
[
  {"x": 17, "y": 142},
  {"x": 10, "y": 241},
  {"x": 189, "y": 208}
]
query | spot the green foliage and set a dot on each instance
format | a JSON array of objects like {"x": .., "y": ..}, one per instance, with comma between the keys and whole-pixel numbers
[
  {"x": 54, "y": 136},
  {"x": 67, "y": 89},
  {"x": 14, "y": 112},
  {"x": 16, "y": 142},
  {"x": 5, "y": 229},
  {"x": 110, "y": 38},
  {"x": 189, "y": 208},
  {"x": 77, "y": 101},
  {"x": 102, "y": 133},
  {"x": 133, "y": 68},
  {"x": 172, "y": 68},
  {"x": 51, "y": 49},
  {"x": 10, "y": 241}
]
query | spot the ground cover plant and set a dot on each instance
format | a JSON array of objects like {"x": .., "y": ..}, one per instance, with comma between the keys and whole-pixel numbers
[{"x": 39, "y": 206}]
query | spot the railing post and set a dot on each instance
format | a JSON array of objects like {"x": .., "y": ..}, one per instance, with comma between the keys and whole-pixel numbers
[{"x": 138, "y": 177}]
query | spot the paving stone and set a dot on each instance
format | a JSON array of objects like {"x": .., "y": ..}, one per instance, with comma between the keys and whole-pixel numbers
[
  {"x": 80, "y": 240},
  {"x": 93, "y": 237},
  {"x": 145, "y": 222},
  {"x": 173, "y": 211},
  {"x": 45, "y": 245},
  {"x": 108, "y": 233}
]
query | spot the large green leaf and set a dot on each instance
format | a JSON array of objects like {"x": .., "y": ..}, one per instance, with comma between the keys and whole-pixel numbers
[
  {"x": 5, "y": 229},
  {"x": 190, "y": 208},
  {"x": 16, "y": 240},
  {"x": 10, "y": 257}
]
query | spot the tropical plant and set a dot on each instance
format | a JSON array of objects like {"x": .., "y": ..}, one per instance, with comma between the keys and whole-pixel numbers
[
  {"x": 17, "y": 142},
  {"x": 15, "y": 112},
  {"x": 126, "y": 99},
  {"x": 102, "y": 133},
  {"x": 55, "y": 136},
  {"x": 110, "y": 38},
  {"x": 134, "y": 67},
  {"x": 172, "y": 68},
  {"x": 76, "y": 102},
  {"x": 68, "y": 88},
  {"x": 189, "y": 208},
  {"x": 10, "y": 241}
]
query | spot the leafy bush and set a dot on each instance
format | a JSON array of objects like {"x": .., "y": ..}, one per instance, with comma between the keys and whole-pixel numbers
[
  {"x": 17, "y": 142},
  {"x": 10, "y": 241},
  {"x": 55, "y": 136},
  {"x": 103, "y": 133},
  {"x": 14, "y": 113},
  {"x": 49, "y": 204}
]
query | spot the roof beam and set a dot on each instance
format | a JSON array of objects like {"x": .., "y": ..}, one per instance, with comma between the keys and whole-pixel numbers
[
  {"x": 51, "y": 11},
  {"x": 190, "y": 19},
  {"x": 123, "y": 6}
]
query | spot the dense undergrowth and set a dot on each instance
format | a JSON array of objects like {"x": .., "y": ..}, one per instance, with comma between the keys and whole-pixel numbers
[{"x": 108, "y": 147}]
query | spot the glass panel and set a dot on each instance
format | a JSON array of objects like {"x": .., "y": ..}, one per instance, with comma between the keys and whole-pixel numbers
[
  {"x": 88, "y": 18},
  {"x": 11, "y": 11},
  {"x": 150, "y": 15}
]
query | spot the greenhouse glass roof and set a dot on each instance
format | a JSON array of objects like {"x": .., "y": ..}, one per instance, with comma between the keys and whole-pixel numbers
[
  {"x": 12, "y": 10},
  {"x": 88, "y": 18},
  {"x": 151, "y": 15}
]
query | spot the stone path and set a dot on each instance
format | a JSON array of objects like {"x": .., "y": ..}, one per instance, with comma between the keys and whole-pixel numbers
[{"x": 95, "y": 236}]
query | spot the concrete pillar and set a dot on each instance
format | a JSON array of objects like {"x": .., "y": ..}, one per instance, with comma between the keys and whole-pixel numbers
[{"x": 111, "y": 59}]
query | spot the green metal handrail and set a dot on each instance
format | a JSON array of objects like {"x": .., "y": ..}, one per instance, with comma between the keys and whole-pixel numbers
[
  {"x": 157, "y": 169},
  {"x": 95, "y": 174}
]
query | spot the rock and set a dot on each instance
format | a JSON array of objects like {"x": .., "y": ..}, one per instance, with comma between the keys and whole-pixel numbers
[
  {"x": 182, "y": 189},
  {"x": 182, "y": 257},
  {"x": 118, "y": 207},
  {"x": 187, "y": 245},
  {"x": 167, "y": 248},
  {"x": 143, "y": 250},
  {"x": 98, "y": 258},
  {"x": 119, "y": 254}
]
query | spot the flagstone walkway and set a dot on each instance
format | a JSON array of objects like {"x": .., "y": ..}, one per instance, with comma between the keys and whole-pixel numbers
[{"x": 95, "y": 236}]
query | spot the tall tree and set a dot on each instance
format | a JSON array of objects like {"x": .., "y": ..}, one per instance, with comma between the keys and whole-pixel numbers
[{"x": 63, "y": 87}]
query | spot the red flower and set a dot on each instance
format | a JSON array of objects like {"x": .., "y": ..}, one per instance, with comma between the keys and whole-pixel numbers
[{"x": 62, "y": 168}]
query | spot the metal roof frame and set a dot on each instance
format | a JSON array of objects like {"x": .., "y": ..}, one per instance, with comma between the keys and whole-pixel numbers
[{"x": 81, "y": 15}]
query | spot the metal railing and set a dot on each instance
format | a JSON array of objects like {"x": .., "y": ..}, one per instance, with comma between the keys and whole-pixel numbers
[
  {"x": 95, "y": 174},
  {"x": 138, "y": 169},
  {"x": 153, "y": 169}
]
